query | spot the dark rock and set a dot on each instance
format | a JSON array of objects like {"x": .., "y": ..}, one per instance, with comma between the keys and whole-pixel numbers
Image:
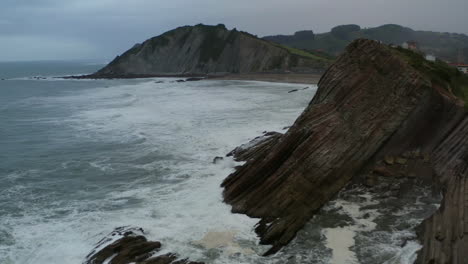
[
  {"x": 401, "y": 161},
  {"x": 194, "y": 79},
  {"x": 180, "y": 81},
  {"x": 389, "y": 160},
  {"x": 256, "y": 147},
  {"x": 371, "y": 180},
  {"x": 131, "y": 248},
  {"x": 125, "y": 250},
  {"x": 217, "y": 160},
  {"x": 292, "y": 91},
  {"x": 163, "y": 259},
  {"x": 369, "y": 104},
  {"x": 384, "y": 171}
]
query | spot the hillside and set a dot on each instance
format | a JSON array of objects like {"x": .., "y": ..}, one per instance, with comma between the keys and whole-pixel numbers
[
  {"x": 446, "y": 46},
  {"x": 202, "y": 49}
]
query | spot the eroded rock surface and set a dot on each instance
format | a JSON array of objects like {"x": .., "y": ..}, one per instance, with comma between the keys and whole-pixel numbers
[
  {"x": 128, "y": 245},
  {"x": 374, "y": 113}
]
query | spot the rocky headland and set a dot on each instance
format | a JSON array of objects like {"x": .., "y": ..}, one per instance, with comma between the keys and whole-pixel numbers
[
  {"x": 203, "y": 50},
  {"x": 382, "y": 117},
  {"x": 378, "y": 112}
]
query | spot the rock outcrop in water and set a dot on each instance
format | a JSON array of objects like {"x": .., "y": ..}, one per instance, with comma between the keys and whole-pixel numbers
[
  {"x": 131, "y": 247},
  {"x": 378, "y": 110},
  {"x": 201, "y": 49}
]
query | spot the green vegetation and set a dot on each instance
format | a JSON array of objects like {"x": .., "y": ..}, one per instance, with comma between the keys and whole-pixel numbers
[
  {"x": 439, "y": 73},
  {"x": 446, "y": 46},
  {"x": 214, "y": 42},
  {"x": 305, "y": 54}
]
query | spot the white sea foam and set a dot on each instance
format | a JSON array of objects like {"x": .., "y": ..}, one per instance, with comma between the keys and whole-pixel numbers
[
  {"x": 156, "y": 144},
  {"x": 177, "y": 128},
  {"x": 341, "y": 239}
]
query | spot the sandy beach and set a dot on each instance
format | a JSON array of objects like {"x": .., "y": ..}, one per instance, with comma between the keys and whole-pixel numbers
[{"x": 273, "y": 77}]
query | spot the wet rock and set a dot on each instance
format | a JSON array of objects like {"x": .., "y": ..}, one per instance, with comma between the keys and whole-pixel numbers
[
  {"x": 292, "y": 91},
  {"x": 401, "y": 161},
  {"x": 426, "y": 157},
  {"x": 180, "y": 81},
  {"x": 371, "y": 180},
  {"x": 416, "y": 153},
  {"x": 389, "y": 160},
  {"x": 130, "y": 248},
  {"x": 163, "y": 259},
  {"x": 216, "y": 160},
  {"x": 256, "y": 147},
  {"x": 193, "y": 79},
  {"x": 125, "y": 250},
  {"x": 384, "y": 171}
]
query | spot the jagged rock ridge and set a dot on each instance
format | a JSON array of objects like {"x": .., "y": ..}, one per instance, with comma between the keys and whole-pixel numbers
[
  {"x": 373, "y": 103},
  {"x": 205, "y": 49}
]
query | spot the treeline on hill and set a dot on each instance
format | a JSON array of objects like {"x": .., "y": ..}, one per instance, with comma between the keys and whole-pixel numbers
[{"x": 450, "y": 47}]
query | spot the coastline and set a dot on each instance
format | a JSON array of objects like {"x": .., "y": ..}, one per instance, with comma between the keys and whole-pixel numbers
[
  {"x": 272, "y": 77},
  {"x": 299, "y": 78}
]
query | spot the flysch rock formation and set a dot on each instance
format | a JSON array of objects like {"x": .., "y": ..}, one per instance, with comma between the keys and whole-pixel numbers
[
  {"x": 375, "y": 113},
  {"x": 202, "y": 49},
  {"x": 127, "y": 245}
]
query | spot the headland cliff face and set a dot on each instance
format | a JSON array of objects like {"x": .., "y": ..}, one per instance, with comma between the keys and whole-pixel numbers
[
  {"x": 378, "y": 111},
  {"x": 202, "y": 49}
]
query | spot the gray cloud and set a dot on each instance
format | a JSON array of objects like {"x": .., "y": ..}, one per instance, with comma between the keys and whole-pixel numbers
[{"x": 101, "y": 29}]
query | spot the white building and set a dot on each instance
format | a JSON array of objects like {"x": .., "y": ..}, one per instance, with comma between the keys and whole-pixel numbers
[
  {"x": 430, "y": 57},
  {"x": 461, "y": 67}
]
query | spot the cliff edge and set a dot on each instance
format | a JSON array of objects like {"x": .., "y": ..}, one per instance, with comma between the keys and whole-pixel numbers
[{"x": 373, "y": 104}]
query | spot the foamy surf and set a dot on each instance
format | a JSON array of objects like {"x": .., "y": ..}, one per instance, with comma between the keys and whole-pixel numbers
[{"x": 106, "y": 154}]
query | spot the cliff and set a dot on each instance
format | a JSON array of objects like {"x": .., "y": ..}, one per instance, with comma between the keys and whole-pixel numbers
[
  {"x": 375, "y": 104},
  {"x": 201, "y": 49}
]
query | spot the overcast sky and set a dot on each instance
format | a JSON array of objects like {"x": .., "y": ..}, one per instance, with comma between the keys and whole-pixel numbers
[{"x": 102, "y": 29}]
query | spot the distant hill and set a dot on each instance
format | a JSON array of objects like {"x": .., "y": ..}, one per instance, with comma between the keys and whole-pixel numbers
[
  {"x": 203, "y": 49},
  {"x": 446, "y": 46}
]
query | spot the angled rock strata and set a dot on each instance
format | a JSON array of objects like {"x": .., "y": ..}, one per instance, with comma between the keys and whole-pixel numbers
[
  {"x": 202, "y": 49},
  {"x": 378, "y": 110},
  {"x": 131, "y": 246}
]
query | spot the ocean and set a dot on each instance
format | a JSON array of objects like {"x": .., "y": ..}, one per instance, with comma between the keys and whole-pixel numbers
[{"x": 79, "y": 158}]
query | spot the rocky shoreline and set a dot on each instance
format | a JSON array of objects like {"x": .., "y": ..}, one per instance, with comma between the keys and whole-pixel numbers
[
  {"x": 374, "y": 114},
  {"x": 377, "y": 121},
  {"x": 129, "y": 245}
]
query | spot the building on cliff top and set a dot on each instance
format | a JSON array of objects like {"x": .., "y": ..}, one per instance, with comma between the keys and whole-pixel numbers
[
  {"x": 411, "y": 45},
  {"x": 461, "y": 67},
  {"x": 430, "y": 57}
]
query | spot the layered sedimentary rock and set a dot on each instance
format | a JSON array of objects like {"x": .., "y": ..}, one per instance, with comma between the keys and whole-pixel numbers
[
  {"x": 131, "y": 247},
  {"x": 201, "y": 49},
  {"x": 445, "y": 235},
  {"x": 376, "y": 111}
]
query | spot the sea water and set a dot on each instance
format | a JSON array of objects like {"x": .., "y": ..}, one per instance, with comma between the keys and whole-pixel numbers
[{"x": 79, "y": 158}]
